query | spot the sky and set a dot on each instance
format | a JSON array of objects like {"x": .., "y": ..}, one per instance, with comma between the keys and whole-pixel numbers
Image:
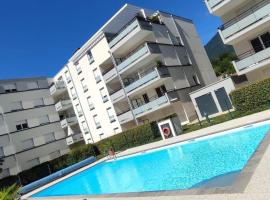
[{"x": 37, "y": 37}]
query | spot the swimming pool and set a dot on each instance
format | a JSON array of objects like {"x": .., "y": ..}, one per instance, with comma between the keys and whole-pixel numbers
[{"x": 177, "y": 167}]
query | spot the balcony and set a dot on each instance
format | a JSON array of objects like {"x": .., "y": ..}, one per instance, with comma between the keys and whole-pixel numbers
[
  {"x": 131, "y": 34},
  {"x": 109, "y": 74},
  {"x": 148, "y": 78},
  {"x": 251, "y": 61},
  {"x": 156, "y": 104},
  {"x": 69, "y": 121},
  {"x": 125, "y": 117},
  {"x": 77, "y": 137},
  {"x": 221, "y": 7},
  {"x": 58, "y": 88},
  {"x": 117, "y": 95},
  {"x": 147, "y": 50},
  {"x": 63, "y": 105},
  {"x": 247, "y": 24}
]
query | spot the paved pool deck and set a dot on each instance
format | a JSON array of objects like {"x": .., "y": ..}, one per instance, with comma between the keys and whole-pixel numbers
[{"x": 253, "y": 182}]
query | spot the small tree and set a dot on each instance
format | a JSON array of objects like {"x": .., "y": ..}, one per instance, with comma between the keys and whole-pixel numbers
[{"x": 223, "y": 64}]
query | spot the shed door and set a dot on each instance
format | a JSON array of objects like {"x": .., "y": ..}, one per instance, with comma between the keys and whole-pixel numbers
[
  {"x": 206, "y": 105},
  {"x": 223, "y": 99}
]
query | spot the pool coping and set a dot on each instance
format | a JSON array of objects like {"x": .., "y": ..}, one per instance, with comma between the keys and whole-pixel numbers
[{"x": 239, "y": 185}]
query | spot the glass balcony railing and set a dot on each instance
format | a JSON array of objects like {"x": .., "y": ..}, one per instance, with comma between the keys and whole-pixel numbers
[
  {"x": 213, "y": 3},
  {"x": 122, "y": 34},
  {"x": 138, "y": 53},
  {"x": 246, "y": 19},
  {"x": 57, "y": 86},
  {"x": 252, "y": 59},
  {"x": 151, "y": 105},
  {"x": 136, "y": 84}
]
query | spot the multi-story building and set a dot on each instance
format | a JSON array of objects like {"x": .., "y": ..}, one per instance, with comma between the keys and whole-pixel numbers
[
  {"x": 30, "y": 132},
  {"x": 139, "y": 67},
  {"x": 246, "y": 27}
]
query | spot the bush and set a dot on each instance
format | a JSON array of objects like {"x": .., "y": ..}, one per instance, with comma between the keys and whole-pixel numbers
[
  {"x": 131, "y": 138},
  {"x": 9, "y": 193},
  {"x": 251, "y": 97}
]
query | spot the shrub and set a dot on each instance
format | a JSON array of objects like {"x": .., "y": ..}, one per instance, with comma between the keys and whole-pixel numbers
[
  {"x": 251, "y": 97},
  {"x": 130, "y": 138},
  {"x": 9, "y": 193}
]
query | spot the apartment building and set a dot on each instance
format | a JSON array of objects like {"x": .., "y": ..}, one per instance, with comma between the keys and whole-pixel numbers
[
  {"x": 246, "y": 27},
  {"x": 139, "y": 67},
  {"x": 30, "y": 132}
]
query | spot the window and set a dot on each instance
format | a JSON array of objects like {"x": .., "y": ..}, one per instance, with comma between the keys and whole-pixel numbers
[
  {"x": 96, "y": 75},
  {"x": 90, "y": 56},
  {"x": 98, "y": 125},
  {"x": 10, "y": 87},
  {"x": 28, "y": 144},
  {"x": 85, "y": 127},
  {"x": 2, "y": 152},
  {"x": 79, "y": 110},
  {"x": 38, "y": 102},
  {"x": 261, "y": 42},
  {"x": 78, "y": 68},
  {"x": 32, "y": 85},
  {"x": 73, "y": 93},
  {"x": 111, "y": 115},
  {"x": 17, "y": 105},
  {"x": 145, "y": 98},
  {"x": 90, "y": 103},
  {"x": 68, "y": 78},
  {"x": 85, "y": 88},
  {"x": 161, "y": 90},
  {"x": 115, "y": 130},
  {"x": 33, "y": 162},
  {"x": 103, "y": 95},
  {"x": 21, "y": 125},
  {"x": 44, "y": 119},
  {"x": 49, "y": 137}
]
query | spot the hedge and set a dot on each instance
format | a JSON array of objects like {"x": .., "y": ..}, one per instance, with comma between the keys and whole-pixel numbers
[
  {"x": 252, "y": 96},
  {"x": 133, "y": 137}
]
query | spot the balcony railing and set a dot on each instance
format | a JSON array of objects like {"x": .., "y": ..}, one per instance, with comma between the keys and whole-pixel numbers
[
  {"x": 153, "y": 105},
  {"x": 59, "y": 85},
  {"x": 145, "y": 78},
  {"x": 62, "y": 105},
  {"x": 68, "y": 121},
  {"x": 213, "y": 3},
  {"x": 117, "y": 94},
  {"x": 246, "y": 19},
  {"x": 251, "y": 58},
  {"x": 132, "y": 57},
  {"x": 125, "y": 116}
]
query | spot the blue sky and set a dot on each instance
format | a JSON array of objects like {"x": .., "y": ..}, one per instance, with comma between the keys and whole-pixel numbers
[{"x": 37, "y": 37}]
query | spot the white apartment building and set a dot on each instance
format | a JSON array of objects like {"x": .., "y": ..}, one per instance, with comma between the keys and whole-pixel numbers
[
  {"x": 246, "y": 27},
  {"x": 30, "y": 132},
  {"x": 139, "y": 67}
]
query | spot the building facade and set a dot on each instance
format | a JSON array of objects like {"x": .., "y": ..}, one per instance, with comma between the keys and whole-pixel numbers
[
  {"x": 30, "y": 132},
  {"x": 139, "y": 67},
  {"x": 246, "y": 27}
]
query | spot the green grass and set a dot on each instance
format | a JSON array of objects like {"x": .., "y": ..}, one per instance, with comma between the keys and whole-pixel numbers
[{"x": 222, "y": 118}]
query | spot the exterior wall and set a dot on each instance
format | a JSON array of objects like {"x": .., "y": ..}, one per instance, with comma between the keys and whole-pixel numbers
[
  {"x": 174, "y": 43},
  {"x": 227, "y": 84},
  {"x": 29, "y": 102}
]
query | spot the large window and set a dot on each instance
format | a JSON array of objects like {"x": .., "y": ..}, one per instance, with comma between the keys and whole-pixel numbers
[
  {"x": 44, "y": 119},
  {"x": 34, "y": 162},
  {"x": 111, "y": 114},
  {"x": 84, "y": 85},
  {"x": 49, "y": 137},
  {"x": 261, "y": 42},
  {"x": 21, "y": 125},
  {"x": 90, "y": 56},
  {"x": 10, "y": 87},
  {"x": 38, "y": 102},
  {"x": 79, "y": 110},
  {"x": 103, "y": 95},
  {"x": 32, "y": 85},
  {"x": 85, "y": 127},
  {"x": 96, "y": 120},
  {"x": 90, "y": 103}
]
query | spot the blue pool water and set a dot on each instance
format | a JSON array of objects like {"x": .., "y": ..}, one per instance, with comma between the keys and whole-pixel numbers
[{"x": 176, "y": 167}]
